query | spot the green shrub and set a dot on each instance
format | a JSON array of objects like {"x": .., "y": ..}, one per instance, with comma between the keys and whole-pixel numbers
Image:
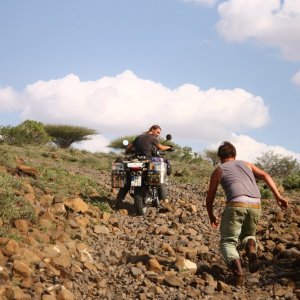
[
  {"x": 27, "y": 133},
  {"x": 191, "y": 172},
  {"x": 277, "y": 165},
  {"x": 58, "y": 179},
  {"x": 291, "y": 182},
  {"x": 7, "y": 159},
  {"x": 7, "y": 231},
  {"x": 265, "y": 193},
  {"x": 103, "y": 206},
  {"x": 12, "y": 206},
  {"x": 70, "y": 158}
]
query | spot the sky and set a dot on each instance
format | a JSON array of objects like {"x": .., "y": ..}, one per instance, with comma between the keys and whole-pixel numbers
[{"x": 204, "y": 70}]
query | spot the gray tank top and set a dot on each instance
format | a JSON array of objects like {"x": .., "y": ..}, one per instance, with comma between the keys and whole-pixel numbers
[{"x": 238, "y": 180}]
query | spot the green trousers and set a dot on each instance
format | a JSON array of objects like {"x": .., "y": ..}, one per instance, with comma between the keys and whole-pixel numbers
[{"x": 238, "y": 224}]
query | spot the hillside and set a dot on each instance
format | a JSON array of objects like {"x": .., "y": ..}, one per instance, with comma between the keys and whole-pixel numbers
[{"x": 61, "y": 238}]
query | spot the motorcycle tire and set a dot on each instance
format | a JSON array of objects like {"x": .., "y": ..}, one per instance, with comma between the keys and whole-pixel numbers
[
  {"x": 162, "y": 192},
  {"x": 140, "y": 201},
  {"x": 169, "y": 167}
]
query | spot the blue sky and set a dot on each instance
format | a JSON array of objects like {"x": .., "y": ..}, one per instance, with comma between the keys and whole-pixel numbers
[{"x": 205, "y": 70}]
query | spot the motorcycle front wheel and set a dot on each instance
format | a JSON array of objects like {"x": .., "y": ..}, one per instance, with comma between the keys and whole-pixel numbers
[{"x": 162, "y": 192}]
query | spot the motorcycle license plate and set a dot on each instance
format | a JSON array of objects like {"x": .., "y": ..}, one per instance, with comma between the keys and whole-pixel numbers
[{"x": 136, "y": 181}]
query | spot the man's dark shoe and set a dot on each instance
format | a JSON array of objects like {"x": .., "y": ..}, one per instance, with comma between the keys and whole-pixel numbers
[
  {"x": 237, "y": 271},
  {"x": 252, "y": 256}
]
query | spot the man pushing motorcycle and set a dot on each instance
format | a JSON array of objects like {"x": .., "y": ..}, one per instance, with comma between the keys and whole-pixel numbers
[{"x": 147, "y": 144}]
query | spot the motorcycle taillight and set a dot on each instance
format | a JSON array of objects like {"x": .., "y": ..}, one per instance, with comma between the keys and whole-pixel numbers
[{"x": 135, "y": 168}]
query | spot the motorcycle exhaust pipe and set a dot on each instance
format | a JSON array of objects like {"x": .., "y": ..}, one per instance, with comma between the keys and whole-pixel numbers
[{"x": 139, "y": 173}]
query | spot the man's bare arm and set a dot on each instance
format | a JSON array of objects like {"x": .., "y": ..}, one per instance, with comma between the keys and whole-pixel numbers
[{"x": 210, "y": 197}]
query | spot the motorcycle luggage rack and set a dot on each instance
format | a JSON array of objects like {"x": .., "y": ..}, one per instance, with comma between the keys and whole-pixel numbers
[{"x": 141, "y": 157}]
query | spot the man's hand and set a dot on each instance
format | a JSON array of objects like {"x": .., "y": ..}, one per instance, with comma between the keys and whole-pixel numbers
[
  {"x": 214, "y": 221},
  {"x": 283, "y": 203}
]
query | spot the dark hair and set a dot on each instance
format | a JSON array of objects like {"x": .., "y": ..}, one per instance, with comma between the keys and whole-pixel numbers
[
  {"x": 153, "y": 127},
  {"x": 226, "y": 150}
]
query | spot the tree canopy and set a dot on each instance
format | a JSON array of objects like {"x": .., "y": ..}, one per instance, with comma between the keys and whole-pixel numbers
[{"x": 65, "y": 135}]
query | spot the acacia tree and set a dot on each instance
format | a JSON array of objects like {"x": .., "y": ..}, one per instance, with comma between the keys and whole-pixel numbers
[
  {"x": 277, "y": 165},
  {"x": 65, "y": 135}
]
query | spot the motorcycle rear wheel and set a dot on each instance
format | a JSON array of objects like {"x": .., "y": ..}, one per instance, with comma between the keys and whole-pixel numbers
[{"x": 140, "y": 201}]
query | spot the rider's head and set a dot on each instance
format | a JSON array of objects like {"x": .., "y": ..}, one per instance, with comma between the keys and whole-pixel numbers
[{"x": 155, "y": 130}]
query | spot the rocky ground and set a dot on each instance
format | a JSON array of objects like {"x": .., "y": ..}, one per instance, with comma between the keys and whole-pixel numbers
[{"x": 75, "y": 251}]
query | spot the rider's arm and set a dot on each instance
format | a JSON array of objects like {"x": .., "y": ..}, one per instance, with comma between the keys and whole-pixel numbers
[
  {"x": 129, "y": 148},
  {"x": 162, "y": 147}
]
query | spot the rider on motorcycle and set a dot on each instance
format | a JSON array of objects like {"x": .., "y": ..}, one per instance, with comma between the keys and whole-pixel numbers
[{"x": 146, "y": 145}]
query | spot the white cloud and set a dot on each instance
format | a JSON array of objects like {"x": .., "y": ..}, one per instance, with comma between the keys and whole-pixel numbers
[
  {"x": 270, "y": 22},
  {"x": 296, "y": 78},
  {"x": 126, "y": 104},
  {"x": 249, "y": 149},
  {"x": 10, "y": 100},
  {"x": 97, "y": 143}
]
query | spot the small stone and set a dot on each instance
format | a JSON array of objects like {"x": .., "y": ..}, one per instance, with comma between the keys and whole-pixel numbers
[
  {"x": 21, "y": 225},
  {"x": 173, "y": 280},
  {"x": 21, "y": 268},
  {"x": 10, "y": 248},
  {"x": 65, "y": 294},
  {"x": 154, "y": 265}
]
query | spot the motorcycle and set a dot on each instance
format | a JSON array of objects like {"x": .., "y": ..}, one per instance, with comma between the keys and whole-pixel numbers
[{"x": 145, "y": 179}]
